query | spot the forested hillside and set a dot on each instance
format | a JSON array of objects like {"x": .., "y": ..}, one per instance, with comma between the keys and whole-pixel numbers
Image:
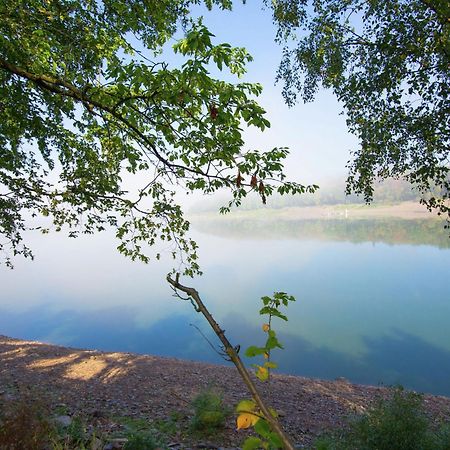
[{"x": 330, "y": 193}]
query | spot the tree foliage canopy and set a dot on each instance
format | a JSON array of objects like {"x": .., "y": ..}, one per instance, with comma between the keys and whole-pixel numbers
[
  {"x": 388, "y": 64},
  {"x": 87, "y": 97}
]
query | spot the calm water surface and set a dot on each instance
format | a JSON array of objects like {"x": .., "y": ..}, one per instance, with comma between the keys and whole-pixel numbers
[{"x": 373, "y": 298}]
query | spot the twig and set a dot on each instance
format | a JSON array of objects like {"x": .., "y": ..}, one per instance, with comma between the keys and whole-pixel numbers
[{"x": 221, "y": 354}]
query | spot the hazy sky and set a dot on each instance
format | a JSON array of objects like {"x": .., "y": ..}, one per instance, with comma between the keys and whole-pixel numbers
[{"x": 316, "y": 133}]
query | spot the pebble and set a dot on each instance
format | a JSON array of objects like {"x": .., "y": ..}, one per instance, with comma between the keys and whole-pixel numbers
[
  {"x": 112, "y": 446},
  {"x": 64, "y": 421}
]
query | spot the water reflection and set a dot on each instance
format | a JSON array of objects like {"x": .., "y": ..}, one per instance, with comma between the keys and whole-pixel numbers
[
  {"x": 368, "y": 311},
  {"x": 393, "y": 358},
  {"x": 390, "y": 359},
  {"x": 113, "y": 329},
  {"x": 391, "y": 231}
]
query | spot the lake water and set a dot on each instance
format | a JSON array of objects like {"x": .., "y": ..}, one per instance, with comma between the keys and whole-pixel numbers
[{"x": 373, "y": 298}]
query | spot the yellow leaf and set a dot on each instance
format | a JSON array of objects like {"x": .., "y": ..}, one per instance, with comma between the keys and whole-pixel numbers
[
  {"x": 262, "y": 373},
  {"x": 246, "y": 420},
  {"x": 266, "y": 355},
  {"x": 266, "y": 327}
]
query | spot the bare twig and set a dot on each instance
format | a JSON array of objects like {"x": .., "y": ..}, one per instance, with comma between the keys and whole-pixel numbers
[{"x": 221, "y": 354}]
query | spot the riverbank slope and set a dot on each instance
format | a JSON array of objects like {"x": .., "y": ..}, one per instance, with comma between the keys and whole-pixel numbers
[{"x": 106, "y": 386}]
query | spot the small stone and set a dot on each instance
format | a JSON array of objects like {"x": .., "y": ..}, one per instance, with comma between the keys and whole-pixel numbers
[
  {"x": 64, "y": 421},
  {"x": 112, "y": 446}
]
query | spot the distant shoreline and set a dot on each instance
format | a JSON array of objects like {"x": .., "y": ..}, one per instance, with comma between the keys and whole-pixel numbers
[
  {"x": 402, "y": 210},
  {"x": 401, "y": 223}
]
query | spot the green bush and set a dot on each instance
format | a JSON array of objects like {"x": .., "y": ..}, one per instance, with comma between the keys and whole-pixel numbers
[
  {"x": 399, "y": 423},
  {"x": 210, "y": 413},
  {"x": 141, "y": 441}
]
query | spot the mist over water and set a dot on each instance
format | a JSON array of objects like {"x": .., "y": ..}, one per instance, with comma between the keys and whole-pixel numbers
[{"x": 372, "y": 297}]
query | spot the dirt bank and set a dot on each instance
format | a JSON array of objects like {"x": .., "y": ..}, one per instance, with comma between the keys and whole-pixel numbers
[{"x": 109, "y": 385}]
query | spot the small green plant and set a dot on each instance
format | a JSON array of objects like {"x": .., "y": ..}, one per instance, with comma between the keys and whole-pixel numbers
[
  {"x": 248, "y": 413},
  {"x": 60, "y": 410},
  {"x": 399, "y": 423},
  {"x": 210, "y": 412},
  {"x": 132, "y": 424},
  {"x": 167, "y": 427},
  {"x": 142, "y": 434},
  {"x": 75, "y": 434},
  {"x": 141, "y": 440}
]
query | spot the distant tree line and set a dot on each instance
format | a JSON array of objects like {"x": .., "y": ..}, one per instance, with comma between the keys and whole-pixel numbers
[{"x": 332, "y": 193}]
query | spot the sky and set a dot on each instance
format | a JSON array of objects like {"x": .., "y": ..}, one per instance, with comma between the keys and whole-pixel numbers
[{"x": 316, "y": 132}]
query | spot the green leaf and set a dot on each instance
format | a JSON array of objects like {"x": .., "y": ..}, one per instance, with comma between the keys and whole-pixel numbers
[
  {"x": 272, "y": 342},
  {"x": 262, "y": 428},
  {"x": 279, "y": 315},
  {"x": 252, "y": 443},
  {"x": 274, "y": 440},
  {"x": 267, "y": 310},
  {"x": 246, "y": 406},
  {"x": 254, "y": 351},
  {"x": 270, "y": 365}
]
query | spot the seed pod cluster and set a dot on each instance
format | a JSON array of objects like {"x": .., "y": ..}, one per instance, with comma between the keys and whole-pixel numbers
[
  {"x": 239, "y": 179},
  {"x": 213, "y": 111}
]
